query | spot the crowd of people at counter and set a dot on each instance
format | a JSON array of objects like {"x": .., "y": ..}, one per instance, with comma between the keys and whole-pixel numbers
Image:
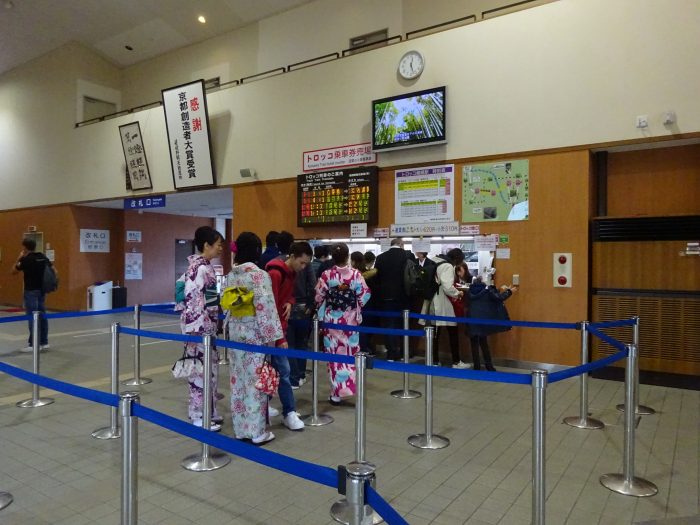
[{"x": 270, "y": 296}]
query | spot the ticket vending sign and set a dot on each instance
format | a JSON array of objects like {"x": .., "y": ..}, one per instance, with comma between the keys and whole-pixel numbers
[
  {"x": 189, "y": 140},
  {"x": 338, "y": 196}
]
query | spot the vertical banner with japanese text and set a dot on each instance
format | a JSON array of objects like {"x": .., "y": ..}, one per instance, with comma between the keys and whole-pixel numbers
[
  {"x": 187, "y": 123},
  {"x": 135, "y": 156}
]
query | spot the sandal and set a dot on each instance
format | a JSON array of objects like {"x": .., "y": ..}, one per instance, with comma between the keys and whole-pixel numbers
[{"x": 264, "y": 438}]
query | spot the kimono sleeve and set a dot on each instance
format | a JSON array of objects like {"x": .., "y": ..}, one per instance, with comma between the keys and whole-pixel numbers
[
  {"x": 266, "y": 315},
  {"x": 362, "y": 291}
]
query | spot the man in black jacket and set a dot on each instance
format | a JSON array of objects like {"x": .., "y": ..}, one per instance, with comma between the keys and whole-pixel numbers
[{"x": 390, "y": 267}]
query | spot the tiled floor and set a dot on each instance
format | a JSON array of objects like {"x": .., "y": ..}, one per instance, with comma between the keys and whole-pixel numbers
[{"x": 59, "y": 474}]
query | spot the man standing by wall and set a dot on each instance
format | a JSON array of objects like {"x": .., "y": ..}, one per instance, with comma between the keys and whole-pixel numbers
[
  {"x": 392, "y": 294},
  {"x": 32, "y": 264}
]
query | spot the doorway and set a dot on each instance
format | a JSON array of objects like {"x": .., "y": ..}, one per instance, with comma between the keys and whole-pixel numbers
[{"x": 183, "y": 249}]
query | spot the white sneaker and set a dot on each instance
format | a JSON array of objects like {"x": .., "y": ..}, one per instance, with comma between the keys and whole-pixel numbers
[
  {"x": 45, "y": 347},
  {"x": 272, "y": 411},
  {"x": 27, "y": 349},
  {"x": 264, "y": 438},
  {"x": 462, "y": 365},
  {"x": 302, "y": 381},
  {"x": 214, "y": 427},
  {"x": 292, "y": 421}
]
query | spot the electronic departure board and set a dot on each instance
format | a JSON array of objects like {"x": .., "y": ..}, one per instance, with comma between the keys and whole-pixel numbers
[{"x": 337, "y": 196}]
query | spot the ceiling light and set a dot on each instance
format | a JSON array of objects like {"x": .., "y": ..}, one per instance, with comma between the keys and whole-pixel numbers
[
  {"x": 128, "y": 47},
  {"x": 201, "y": 19}
]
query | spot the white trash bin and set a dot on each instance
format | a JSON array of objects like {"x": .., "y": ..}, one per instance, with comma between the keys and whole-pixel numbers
[{"x": 99, "y": 296}]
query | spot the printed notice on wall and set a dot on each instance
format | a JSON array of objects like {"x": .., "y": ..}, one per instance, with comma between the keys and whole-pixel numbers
[
  {"x": 358, "y": 229},
  {"x": 133, "y": 266},
  {"x": 424, "y": 194},
  {"x": 135, "y": 156},
  {"x": 496, "y": 192},
  {"x": 187, "y": 123},
  {"x": 96, "y": 241}
]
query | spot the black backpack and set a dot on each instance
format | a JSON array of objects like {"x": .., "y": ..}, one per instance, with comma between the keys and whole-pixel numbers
[
  {"x": 415, "y": 279},
  {"x": 432, "y": 285},
  {"x": 49, "y": 279}
]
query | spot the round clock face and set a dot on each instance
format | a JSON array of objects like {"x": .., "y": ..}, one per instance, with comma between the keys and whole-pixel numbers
[{"x": 411, "y": 65}]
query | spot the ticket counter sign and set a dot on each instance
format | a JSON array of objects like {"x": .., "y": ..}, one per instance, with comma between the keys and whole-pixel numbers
[
  {"x": 338, "y": 157},
  {"x": 96, "y": 241}
]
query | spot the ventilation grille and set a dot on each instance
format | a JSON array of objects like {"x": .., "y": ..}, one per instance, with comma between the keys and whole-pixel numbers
[
  {"x": 669, "y": 330},
  {"x": 684, "y": 228}
]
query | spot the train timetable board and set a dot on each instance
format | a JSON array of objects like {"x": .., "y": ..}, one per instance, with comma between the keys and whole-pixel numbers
[{"x": 338, "y": 196}]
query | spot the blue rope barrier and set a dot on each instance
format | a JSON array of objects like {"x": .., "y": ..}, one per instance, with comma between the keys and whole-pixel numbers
[
  {"x": 15, "y": 318},
  {"x": 613, "y": 324},
  {"x": 381, "y": 507},
  {"x": 89, "y": 394},
  {"x": 588, "y": 367},
  {"x": 383, "y": 313},
  {"x": 455, "y": 373},
  {"x": 296, "y": 467},
  {"x": 471, "y": 320},
  {"x": 158, "y": 305},
  {"x": 288, "y": 352},
  {"x": 605, "y": 337},
  {"x": 91, "y": 313},
  {"x": 162, "y": 335},
  {"x": 372, "y": 330}
]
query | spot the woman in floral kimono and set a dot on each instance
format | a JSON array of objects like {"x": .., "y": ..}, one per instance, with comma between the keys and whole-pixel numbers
[
  {"x": 199, "y": 315},
  {"x": 258, "y": 326},
  {"x": 341, "y": 293}
]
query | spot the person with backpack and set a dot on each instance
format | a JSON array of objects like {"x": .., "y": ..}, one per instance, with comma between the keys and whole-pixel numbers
[
  {"x": 437, "y": 302},
  {"x": 391, "y": 291},
  {"x": 199, "y": 315},
  {"x": 33, "y": 265},
  {"x": 341, "y": 292}
]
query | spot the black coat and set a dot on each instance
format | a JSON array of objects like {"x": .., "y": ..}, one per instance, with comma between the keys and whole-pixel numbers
[
  {"x": 390, "y": 283},
  {"x": 487, "y": 303}
]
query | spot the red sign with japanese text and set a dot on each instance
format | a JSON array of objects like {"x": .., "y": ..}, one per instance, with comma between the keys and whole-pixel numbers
[{"x": 338, "y": 157}]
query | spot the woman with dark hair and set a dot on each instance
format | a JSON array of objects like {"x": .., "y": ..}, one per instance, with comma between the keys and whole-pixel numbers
[
  {"x": 255, "y": 321},
  {"x": 341, "y": 292},
  {"x": 199, "y": 315}
]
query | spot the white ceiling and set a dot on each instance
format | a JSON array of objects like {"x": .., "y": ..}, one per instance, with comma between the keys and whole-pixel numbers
[
  {"x": 215, "y": 203},
  {"x": 31, "y": 28}
]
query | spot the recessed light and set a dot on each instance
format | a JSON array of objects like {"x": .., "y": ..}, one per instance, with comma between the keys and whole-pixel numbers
[
  {"x": 128, "y": 47},
  {"x": 201, "y": 19}
]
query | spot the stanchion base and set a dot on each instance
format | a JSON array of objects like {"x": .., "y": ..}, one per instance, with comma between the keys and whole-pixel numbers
[
  {"x": 586, "y": 422},
  {"x": 136, "y": 382},
  {"x": 641, "y": 410},
  {"x": 318, "y": 421},
  {"x": 340, "y": 512},
  {"x": 637, "y": 487},
  {"x": 433, "y": 442},
  {"x": 406, "y": 394},
  {"x": 223, "y": 362},
  {"x": 39, "y": 402},
  {"x": 197, "y": 462},
  {"x": 5, "y": 499},
  {"x": 107, "y": 433}
]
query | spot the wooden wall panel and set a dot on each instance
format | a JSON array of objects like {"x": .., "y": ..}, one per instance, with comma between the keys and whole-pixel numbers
[
  {"x": 654, "y": 182},
  {"x": 560, "y": 207}
]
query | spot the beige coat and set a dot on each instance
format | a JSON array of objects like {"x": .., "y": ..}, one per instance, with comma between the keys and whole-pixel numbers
[{"x": 440, "y": 304}]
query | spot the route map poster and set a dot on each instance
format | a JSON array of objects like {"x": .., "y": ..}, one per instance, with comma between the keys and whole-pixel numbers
[
  {"x": 425, "y": 194},
  {"x": 496, "y": 192}
]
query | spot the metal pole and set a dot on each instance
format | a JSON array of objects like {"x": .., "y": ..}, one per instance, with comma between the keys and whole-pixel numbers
[
  {"x": 112, "y": 431},
  {"x": 428, "y": 440},
  {"x": 206, "y": 461},
  {"x": 627, "y": 483},
  {"x": 137, "y": 379},
  {"x": 352, "y": 510},
  {"x": 130, "y": 457},
  {"x": 640, "y": 410},
  {"x": 406, "y": 393},
  {"x": 223, "y": 356},
  {"x": 316, "y": 419},
  {"x": 582, "y": 420},
  {"x": 5, "y": 499},
  {"x": 36, "y": 400},
  {"x": 539, "y": 411}
]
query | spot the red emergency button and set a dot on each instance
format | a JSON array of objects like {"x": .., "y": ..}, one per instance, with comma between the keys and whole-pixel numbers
[
  {"x": 562, "y": 259},
  {"x": 562, "y": 280}
]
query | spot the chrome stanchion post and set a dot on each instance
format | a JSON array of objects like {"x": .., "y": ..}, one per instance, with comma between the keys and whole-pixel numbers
[
  {"x": 582, "y": 420},
  {"x": 206, "y": 461},
  {"x": 130, "y": 458},
  {"x": 428, "y": 440},
  {"x": 352, "y": 509},
  {"x": 223, "y": 356},
  {"x": 137, "y": 379},
  {"x": 316, "y": 419},
  {"x": 112, "y": 431},
  {"x": 36, "y": 400},
  {"x": 406, "y": 393},
  {"x": 627, "y": 483},
  {"x": 539, "y": 411},
  {"x": 640, "y": 410},
  {"x": 5, "y": 499}
]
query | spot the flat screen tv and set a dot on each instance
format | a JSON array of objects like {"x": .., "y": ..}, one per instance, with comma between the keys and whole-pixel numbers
[{"x": 410, "y": 120}]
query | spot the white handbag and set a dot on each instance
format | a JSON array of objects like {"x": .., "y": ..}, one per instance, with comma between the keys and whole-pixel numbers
[{"x": 187, "y": 366}]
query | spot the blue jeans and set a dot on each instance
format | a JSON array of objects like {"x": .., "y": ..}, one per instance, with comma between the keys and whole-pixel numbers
[
  {"x": 284, "y": 390},
  {"x": 298, "y": 338},
  {"x": 34, "y": 302}
]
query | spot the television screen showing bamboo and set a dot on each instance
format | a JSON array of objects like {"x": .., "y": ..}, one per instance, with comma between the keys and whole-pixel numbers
[{"x": 413, "y": 119}]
